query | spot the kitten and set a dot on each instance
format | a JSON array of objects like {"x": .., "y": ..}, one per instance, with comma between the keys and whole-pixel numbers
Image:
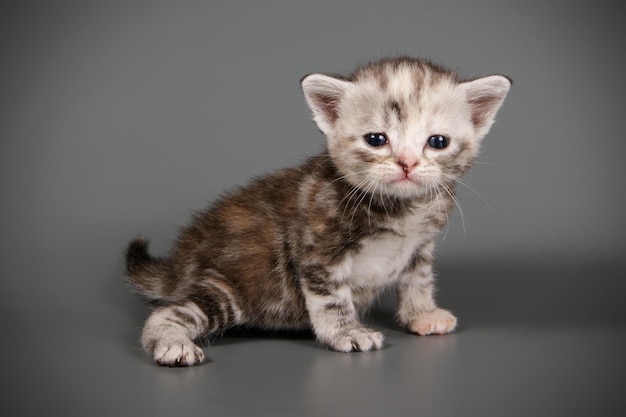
[{"x": 311, "y": 247}]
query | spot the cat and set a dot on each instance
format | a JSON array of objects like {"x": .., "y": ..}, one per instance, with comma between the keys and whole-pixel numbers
[{"x": 311, "y": 247}]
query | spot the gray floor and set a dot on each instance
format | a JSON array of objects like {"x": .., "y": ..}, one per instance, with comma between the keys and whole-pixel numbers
[
  {"x": 545, "y": 340},
  {"x": 119, "y": 117}
]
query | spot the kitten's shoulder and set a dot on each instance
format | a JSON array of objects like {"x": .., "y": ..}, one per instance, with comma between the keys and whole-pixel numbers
[
  {"x": 288, "y": 181},
  {"x": 276, "y": 189},
  {"x": 258, "y": 206}
]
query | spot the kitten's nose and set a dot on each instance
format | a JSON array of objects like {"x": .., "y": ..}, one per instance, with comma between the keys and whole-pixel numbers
[{"x": 407, "y": 164}]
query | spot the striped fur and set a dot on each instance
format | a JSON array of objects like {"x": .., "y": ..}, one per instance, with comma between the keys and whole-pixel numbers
[{"x": 312, "y": 246}]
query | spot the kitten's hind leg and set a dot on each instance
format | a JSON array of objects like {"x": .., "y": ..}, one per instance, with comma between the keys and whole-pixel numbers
[{"x": 169, "y": 333}]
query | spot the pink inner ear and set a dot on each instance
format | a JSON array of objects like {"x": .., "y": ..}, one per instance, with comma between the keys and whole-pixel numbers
[
  {"x": 328, "y": 105},
  {"x": 482, "y": 108}
]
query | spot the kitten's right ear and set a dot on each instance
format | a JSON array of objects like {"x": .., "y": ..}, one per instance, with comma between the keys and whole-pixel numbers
[{"x": 323, "y": 94}]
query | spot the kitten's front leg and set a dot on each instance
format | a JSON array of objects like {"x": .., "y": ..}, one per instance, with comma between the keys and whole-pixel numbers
[
  {"x": 334, "y": 318},
  {"x": 417, "y": 310}
]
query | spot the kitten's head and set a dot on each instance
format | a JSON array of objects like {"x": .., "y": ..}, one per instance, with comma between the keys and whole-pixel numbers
[{"x": 403, "y": 126}]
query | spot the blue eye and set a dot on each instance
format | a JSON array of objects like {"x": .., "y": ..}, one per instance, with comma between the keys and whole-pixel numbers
[
  {"x": 376, "y": 139},
  {"x": 438, "y": 141}
]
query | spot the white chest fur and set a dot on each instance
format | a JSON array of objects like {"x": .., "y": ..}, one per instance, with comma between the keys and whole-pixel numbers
[{"x": 381, "y": 258}]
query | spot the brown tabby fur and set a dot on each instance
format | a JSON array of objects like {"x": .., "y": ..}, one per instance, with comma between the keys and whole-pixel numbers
[{"x": 259, "y": 253}]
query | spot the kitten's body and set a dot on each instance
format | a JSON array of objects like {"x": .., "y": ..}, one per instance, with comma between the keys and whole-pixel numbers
[{"x": 311, "y": 247}]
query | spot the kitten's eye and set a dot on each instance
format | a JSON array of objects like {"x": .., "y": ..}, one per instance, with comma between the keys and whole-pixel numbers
[
  {"x": 376, "y": 139},
  {"x": 438, "y": 141}
]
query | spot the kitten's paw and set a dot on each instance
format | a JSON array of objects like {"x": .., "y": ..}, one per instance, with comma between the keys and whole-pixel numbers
[
  {"x": 178, "y": 353},
  {"x": 438, "y": 321},
  {"x": 355, "y": 339}
]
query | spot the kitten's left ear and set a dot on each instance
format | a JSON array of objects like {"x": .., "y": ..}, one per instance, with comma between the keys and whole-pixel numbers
[
  {"x": 323, "y": 94},
  {"x": 485, "y": 96}
]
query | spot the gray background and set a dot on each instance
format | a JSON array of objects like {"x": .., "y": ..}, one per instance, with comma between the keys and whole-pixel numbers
[{"x": 123, "y": 116}]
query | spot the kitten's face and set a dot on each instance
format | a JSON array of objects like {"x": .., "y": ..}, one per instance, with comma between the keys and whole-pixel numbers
[{"x": 403, "y": 127}]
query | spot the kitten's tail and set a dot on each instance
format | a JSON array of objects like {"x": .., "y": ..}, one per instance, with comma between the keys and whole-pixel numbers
[{"x": 148, "y": 275}]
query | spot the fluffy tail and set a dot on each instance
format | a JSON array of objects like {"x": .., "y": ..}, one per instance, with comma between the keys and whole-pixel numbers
[{"x": 148, "y": 275}]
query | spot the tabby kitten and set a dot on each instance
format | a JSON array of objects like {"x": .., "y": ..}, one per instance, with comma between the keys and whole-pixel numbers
[{"x": 311, "y": 247}]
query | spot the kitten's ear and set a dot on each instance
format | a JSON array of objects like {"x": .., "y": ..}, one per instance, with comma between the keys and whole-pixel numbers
[
  {"x": 485, "y": 96},
  {"x": 323, "y": 94}
]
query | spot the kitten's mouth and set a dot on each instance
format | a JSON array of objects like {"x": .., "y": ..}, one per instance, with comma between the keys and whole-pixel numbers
[
  {"x": 409, "y": 185},
  {"x": 405, "y": 183},
  {"x": 405, "y": 179}
]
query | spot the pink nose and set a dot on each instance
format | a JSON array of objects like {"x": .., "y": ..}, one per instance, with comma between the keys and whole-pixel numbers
[{"x": 407, "y": 164}]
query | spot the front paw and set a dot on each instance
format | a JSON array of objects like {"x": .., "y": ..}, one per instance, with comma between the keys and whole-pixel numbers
[
  {"x": 354, "y": 339},
  {"x": 178, "y": 353},
  {"x": 438, "y": 321}
]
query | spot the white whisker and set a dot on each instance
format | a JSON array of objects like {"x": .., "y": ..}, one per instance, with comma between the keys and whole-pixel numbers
[
  {"x": 458, "y": 205},
  {"x": 441, "y": 207},
  {"x": 360, "y": 201},
  {"x": 350, "y": 196},
  {"x": 458, "y": 181},
  {"x": 369, "y": 211},
  {"x": 382, "y": 200}
]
